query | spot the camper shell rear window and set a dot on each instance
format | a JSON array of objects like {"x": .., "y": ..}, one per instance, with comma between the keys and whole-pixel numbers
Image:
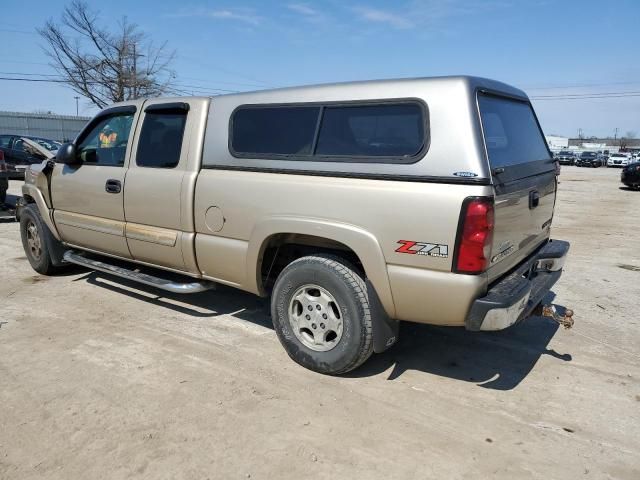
[{"x": 511, "y": 132}]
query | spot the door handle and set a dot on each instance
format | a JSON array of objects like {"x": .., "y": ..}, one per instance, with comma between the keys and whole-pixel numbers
[
  {"x": 534, "y": 199},
  {"x": 113, "y": 186}
]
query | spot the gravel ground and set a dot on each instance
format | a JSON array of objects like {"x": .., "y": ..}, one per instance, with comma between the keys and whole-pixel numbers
[{"x": 107, "y": 379}]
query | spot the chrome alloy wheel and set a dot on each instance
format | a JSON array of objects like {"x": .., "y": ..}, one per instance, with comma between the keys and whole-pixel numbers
[{"x": 315, "y": 318}]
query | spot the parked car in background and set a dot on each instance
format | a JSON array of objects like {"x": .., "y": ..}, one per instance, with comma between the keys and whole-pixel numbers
[
  {"x": 618, "y": 160},
  {"x": 589, "y": 159},
  {"x": 4, "y": 179},
  {"x": 18, "y": 157},
  {"x": 630, "y": 175},
  {"x": 566, "y": 157}
]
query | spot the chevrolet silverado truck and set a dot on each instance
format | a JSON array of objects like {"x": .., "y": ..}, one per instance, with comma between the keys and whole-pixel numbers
[{"x": 353, "y": 206}]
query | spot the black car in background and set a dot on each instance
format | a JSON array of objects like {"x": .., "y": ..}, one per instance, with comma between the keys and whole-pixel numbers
[
  {"x": 566, "y": 157},
  {"x": 589, "y": 159},
  {"x": 630, "y": 175},
  {"x": 17, "y": 157},
  {"x": 4, "y": 180}
]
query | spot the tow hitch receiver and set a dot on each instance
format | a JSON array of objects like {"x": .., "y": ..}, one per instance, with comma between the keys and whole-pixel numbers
[{"x": 565, "y": 320}]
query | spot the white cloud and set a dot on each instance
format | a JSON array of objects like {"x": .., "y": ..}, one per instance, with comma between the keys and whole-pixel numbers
[
  {"x": 243, "y": 15},
  {"x": 431, "y": 14},
  {"x": 395, "y": 20},
  {"x": 303, "y": 9}
]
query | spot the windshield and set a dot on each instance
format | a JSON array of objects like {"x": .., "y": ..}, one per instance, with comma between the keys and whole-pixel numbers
[
  {"x": 50, "y": 145},
  {"x": 511, "y": 132},
  {"x": 565, "y": 153},
  {"x": 619, "y": 155},
  {"x": 588, "y": 155}
]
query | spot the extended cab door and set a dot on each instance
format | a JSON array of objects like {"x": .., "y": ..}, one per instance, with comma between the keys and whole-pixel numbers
[
  {"x": 88, "y": 197},
  {"x": 159, "y": 194}
]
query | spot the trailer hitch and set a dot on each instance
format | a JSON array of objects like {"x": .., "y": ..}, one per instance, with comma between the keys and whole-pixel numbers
[{"x": 565, "y": 320}]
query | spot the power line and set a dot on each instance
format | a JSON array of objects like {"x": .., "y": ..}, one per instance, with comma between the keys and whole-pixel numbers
[
  {"x": 190, "y": 89},
  {"x": 54, "y": 79},
  {"x": 587, "y": 96},
  {"x": 584, "y": 85},
  {"x": 24, "y": 32},
  {"x": 189, "y": 86},
  {"x": 30, "y": 74}
]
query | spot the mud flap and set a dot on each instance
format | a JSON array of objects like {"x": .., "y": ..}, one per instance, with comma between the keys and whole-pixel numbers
[
  {"x": 56, "y": 249},
  {"x": 385, "y": 329}
]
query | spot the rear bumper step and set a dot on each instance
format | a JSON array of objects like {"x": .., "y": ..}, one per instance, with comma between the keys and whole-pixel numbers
[
  {"x": 514, "y": 297},
  {"x": 153, "y": 281}
]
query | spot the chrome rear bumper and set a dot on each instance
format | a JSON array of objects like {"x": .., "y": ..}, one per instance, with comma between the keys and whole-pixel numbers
[{"x": 514, "y": 297}]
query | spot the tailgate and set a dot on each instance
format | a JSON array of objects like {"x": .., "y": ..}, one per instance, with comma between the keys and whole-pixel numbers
[{"x": 524, "y": 178}]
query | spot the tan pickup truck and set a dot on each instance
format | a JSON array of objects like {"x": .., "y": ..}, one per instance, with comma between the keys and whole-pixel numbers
[{"x": 354, "y": 206}]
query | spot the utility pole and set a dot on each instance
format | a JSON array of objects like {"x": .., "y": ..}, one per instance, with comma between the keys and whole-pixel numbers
[
  {"x": 615, "y": 135},
  {"x": 135, "y": 72},
  {"x": 77, "y": 109}
]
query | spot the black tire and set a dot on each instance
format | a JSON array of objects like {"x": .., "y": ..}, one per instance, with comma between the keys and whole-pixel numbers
[
  {"x": 348, "y": 288},
  {"x": 31, "y": 223}
]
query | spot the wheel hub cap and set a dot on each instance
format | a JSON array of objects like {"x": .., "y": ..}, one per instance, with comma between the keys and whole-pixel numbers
[
  {"x": 315, "y": 318},
  {"x": 33, "y": 241}
]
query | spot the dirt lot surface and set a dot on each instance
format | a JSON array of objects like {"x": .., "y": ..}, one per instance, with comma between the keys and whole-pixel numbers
[{"x": 104, "y": 379}]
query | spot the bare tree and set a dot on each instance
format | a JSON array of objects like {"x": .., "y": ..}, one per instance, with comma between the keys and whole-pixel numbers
[
  {"x": 102, "y": 65},
  {"x": 623, "y": 143},
  {"x": 631, "y": 134}
]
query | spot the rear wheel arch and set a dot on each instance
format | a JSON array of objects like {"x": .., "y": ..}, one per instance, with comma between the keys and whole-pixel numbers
[{"x": 308, "y": 236}]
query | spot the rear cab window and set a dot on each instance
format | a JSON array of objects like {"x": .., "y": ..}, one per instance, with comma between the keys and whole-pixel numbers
[
  {"x": 161, "y": 137},
  {"x": 515, "y": 144}
]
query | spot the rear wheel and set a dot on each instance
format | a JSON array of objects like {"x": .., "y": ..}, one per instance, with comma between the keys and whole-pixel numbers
[
  {"x": 33, "y": 233},
  {"x": 321, "y": 313}
]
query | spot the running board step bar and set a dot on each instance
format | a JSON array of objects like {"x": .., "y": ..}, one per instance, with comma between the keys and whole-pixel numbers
[{"x": 158, "y": 282}]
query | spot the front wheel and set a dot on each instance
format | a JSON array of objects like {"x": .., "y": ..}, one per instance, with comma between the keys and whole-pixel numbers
[
  {"x": 321, "y": 313},
  {"x": 33, "y": 233}
]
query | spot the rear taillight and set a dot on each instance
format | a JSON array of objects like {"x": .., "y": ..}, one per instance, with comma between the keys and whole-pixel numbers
[{"x": 475, "y": 233}]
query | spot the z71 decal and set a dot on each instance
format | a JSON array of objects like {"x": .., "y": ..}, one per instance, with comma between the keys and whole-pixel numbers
[{"x": 422, "y": 248}]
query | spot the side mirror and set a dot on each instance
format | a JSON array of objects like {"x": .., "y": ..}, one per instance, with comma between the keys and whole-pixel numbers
[{"x": 67, "y": 155}]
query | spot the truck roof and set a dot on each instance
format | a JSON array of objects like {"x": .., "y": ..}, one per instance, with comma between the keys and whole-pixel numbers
[{"x": 470, "y": 82}]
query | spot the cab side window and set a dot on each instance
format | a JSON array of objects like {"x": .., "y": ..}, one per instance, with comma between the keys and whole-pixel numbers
[
  {"x": 106, "y": 143},
  {"x": 161, "y": 138}
]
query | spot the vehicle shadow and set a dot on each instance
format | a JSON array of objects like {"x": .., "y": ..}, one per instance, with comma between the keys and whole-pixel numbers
[
  {"x": 495, "y": 360},
  {"x": 221, "y": 301}
]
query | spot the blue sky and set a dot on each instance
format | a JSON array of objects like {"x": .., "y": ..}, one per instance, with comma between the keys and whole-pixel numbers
[{"x": 548, "y": 48}]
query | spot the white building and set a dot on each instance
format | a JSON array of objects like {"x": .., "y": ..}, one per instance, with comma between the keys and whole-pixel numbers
[{"x": 557, "y": 143}]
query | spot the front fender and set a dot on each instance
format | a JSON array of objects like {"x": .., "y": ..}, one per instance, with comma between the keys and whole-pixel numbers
[
  {"x": 362, "y": 242},
  {"x": 32, "y": 192}
]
